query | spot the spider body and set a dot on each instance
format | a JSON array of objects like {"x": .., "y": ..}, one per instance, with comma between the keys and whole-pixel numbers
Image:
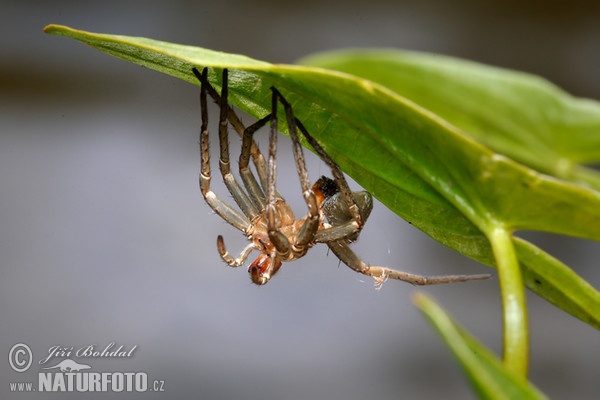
[
  {"x": 335, "y": 215},
  {"x": 269, "y": 260},
  {"x": 334, "y": 208}
]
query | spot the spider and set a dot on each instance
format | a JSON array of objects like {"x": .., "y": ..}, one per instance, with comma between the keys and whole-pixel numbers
[{"x": 335, "y": 214}]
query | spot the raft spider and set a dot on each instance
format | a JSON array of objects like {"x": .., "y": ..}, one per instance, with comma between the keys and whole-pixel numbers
[{"x": 335, "y": 214}]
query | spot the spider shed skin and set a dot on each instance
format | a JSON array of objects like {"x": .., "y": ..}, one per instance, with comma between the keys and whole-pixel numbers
[{"x": 335, "y": 215}]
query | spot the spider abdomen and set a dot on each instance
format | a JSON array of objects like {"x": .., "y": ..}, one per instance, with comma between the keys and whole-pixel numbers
[{"x": 333, "y": 205}]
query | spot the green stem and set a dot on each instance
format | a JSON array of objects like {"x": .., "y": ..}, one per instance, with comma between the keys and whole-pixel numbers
[{"x": 516, "y": 335}]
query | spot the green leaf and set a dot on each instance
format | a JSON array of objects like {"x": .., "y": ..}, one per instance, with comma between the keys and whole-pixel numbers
[
  {"x": 522, "y": 116},
  {"x": 379, "y": 136},
  {"x": 558, "y": 284},
  {"x": 422, "y": 167},
  {"x": 489, "y": 378}
]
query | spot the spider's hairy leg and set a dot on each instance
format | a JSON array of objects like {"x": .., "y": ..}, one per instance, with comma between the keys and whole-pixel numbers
[
  {"x": 234, "y": 262},
  {"x": 226, "y": 212},
  {"x": 249, "y": 149},
  {"x": 278, "y": 238},
  {"x": 309, "y": 228},
  {"x": 339, "y": 178},
  {"x": 341, "y": 233},
  {"x": 240, "y": 197},
  {"x": 341, "y": 249},
  {"x": 257, "y": 158},
  {"x": 256, "y": 193}
]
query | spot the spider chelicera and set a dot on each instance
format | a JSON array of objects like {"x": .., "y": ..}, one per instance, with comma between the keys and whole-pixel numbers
[{"x": 335, "y": 214}]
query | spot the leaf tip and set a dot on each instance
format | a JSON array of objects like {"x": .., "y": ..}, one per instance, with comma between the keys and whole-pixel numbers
[{"x": 55, "y": 29}]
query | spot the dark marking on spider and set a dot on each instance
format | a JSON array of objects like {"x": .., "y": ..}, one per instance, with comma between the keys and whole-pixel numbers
[{"x": 335, "y": 215}]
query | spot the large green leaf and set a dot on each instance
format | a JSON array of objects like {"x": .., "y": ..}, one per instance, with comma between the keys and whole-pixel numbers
[
  {"x": 378, "y": 136},
  {"x": 486, "y": 373},
  {"x": 516, "y": 114},
  {"x": 422, "y": 167}
]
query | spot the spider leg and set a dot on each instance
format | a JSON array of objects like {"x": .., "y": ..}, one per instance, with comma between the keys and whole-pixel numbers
[
  {"x": 257, "y": 158},
  {"x": 338, "y": 176},
  {"x": 337, "y": 232},
  {"x": 309, "y": 228},
  {"x": 240, "y": 197},
  {"x": 225, "y": 211},
  {"x": 278, "y": 238},
  {"x": 256, "y": 193},
  {"x": 234, "y": 262},
  {"x": 341, "y": 249}
]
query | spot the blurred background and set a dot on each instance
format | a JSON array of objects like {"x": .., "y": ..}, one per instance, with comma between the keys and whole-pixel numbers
[{"x": 105, "y": 237}]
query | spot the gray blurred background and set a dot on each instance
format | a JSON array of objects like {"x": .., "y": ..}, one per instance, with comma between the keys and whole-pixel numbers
[{"x": 105, "y": 236}]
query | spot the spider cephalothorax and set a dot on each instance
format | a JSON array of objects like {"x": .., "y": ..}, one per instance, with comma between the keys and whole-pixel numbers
[{"x": 335, "y": 215}]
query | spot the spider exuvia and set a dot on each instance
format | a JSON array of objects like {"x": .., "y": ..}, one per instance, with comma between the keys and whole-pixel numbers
[{"x": 335, "y": 214}]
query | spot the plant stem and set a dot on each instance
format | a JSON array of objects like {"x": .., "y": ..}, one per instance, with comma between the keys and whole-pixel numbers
[{"x": 512, "y": 290}]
